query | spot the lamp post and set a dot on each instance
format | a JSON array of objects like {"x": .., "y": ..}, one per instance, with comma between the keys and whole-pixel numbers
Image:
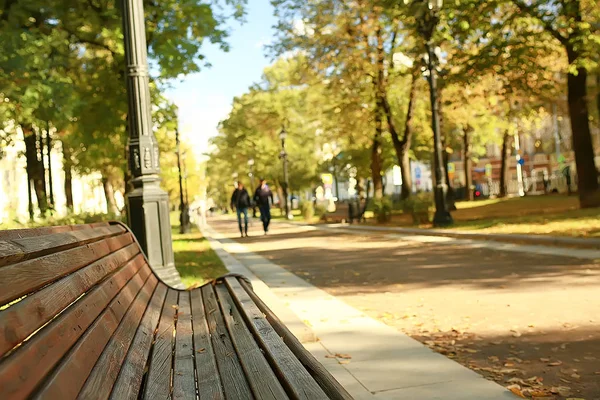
[
  {"x": 428, "y": 22},
  {"x": 147, "y": 203},
  {"x": 251, "y": 175},
  {"x": 283, "y": 156},
  {"x": 185, "y": 179},
  {"x": 182, "y": 225}
]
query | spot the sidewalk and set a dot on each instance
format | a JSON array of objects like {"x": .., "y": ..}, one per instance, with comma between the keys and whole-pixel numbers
[
  {"x": 383, "y": 363},
  {"x": 557, "y": 241},
  {"x": 548, "y": 245}
]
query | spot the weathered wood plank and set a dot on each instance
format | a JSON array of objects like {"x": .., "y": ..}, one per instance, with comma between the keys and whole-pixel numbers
[
  {"x": 292, "y": 373},
  {"x": 209, "y": 383},
  {"x": 46, "y": 230},
  {"x": 69, "y": 376},
  {"x": 22, "y": 371},
  {"x": 22, "y": 278},
  {"x": 158, "y": 382},
  {"x": 234, "y": 381},
  {"x": 260, "y": 376},
  {"x": 184, "y": 377},
  {"x": 129, "y": 382},
  {"x": 21, "y": 249},
  {"x": 102, "y": 378},
  {"x": 330, "y": 386},
  {"x": 23, "y": 318}
]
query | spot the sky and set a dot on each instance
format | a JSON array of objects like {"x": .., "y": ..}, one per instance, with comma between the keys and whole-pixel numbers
[{"x": 205, "y": 98}]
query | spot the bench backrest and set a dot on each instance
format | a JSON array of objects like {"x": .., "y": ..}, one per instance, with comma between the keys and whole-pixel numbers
[{"x": 63, "y": 291}]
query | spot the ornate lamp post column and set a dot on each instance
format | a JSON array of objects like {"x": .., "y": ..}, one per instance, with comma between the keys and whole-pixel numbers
[
  {"x": 283, "y": 156},
  {"x": 428, "y": 22},
  {"x": 147, "y": 203}
]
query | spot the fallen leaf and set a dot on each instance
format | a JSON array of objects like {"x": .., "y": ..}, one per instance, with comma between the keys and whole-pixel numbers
[
  {"x": 555, "y": 363},
  {"x": 508, "y": 364},
  {"x": 175, "y": 306},
  {"x": 346, "y": 356},
  {"x": 202, "y": 350},
  {"x": 543, "y": 359},
  {"x": 516, "y": 389},
  {"x": 344, "y": 361},
  {"x": 493, "y": 359},
  {"x": 575, "y": 376},
  {"x": 472, "y": 351}
]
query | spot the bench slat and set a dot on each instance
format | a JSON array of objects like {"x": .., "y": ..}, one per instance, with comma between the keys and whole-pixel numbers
[
  {"x": 184, "y": 383},
  {"x": 32, "y": 362},
  {"x": 232, "y": 375},
  {"x": 209, "y": 383},
  {"x": 41, "y": 231},
  {"x": 158, "y": 383},
  {"x": 330, "y": 386},
  {"x": 129, "y": 382},
  {"x": 296, "y": 378},
  {"x": 20, "y": 279},
  {"x": 70, "y": 375},
  {"x": 26, "y": 248},
  {"x": 104, "y": 374},
  {"x": 262, "y": 380},
  {"x": 25, "y": 317}
]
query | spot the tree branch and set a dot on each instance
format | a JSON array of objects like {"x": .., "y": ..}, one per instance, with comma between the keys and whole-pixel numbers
[{"x": 547, "y": 25}]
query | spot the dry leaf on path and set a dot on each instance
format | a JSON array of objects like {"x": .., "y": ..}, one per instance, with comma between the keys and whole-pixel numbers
[
  {"x": 516, "y": 389},
  {"x": 555, "y": 363}
]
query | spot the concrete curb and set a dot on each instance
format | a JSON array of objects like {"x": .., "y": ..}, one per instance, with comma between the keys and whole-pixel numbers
[{"x": 287, "y": 316}]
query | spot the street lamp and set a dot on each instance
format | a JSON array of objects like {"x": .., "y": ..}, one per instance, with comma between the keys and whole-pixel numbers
[
  {"x": 183, "y": 220},
  {"x": 251, "y": 175},
  {"x": 427, "y": 24},
  {"x": 147, "y": 203},
  {"x": 283, "y": 156}
]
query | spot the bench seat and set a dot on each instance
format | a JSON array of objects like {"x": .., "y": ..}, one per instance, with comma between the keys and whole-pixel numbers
[{"x": 82, "y": 315}]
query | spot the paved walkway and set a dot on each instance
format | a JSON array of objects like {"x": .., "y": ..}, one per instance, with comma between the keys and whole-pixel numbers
[{"x": 384, "y": 363}]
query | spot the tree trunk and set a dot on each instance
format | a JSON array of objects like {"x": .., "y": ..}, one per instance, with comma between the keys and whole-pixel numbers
[
  {"x": 49, "y": 152},
  {"x": 405, "y": 172},
  {"x": 598, "y": 104},
  {"x": 467, "y": 164},
  {"x": 376, "y": 162},
  {"x": 587, "y": 175},
  {"x": 68, "y": 167},
  {"x": 402, "y": 146},
  {"x": 109, "y": 194},
  {"x": 35, "y": 167},
  {"x": 504, "y": 164}
]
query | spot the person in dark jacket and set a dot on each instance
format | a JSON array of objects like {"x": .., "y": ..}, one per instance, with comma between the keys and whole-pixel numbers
[
  {"x": 261, "y": 197},
  {"x": 240, "y": 200}
]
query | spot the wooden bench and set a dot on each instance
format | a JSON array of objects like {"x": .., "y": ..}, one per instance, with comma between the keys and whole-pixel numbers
[
  {"x": 84, "y": 316},
  {"x": 341, "y": 213}
]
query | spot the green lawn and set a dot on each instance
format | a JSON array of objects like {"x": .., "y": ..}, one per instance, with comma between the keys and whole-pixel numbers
[
  {"x": 536, "y": 215},
  {"x": 543, "y": 215},
  {"x": 195, "y": 260}
]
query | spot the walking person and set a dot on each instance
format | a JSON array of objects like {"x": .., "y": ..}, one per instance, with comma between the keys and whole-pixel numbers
[
  {"x": 240, "y": 200},
  {"x": 261, "y": 197}
]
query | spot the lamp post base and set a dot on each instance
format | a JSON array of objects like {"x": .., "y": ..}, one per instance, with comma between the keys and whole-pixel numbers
[
  {"x": 148, "y": 218},
  {"x": 442, "y": 218}
]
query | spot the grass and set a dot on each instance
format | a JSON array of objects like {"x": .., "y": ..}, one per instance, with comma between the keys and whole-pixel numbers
[
  {"x": 554, "y": 215},
  {"x": 195, "y": 260}
]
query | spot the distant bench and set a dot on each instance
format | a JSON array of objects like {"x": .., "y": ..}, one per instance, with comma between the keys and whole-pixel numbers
[
  {"x": 346, "y": 211},
  {"x": 83, "y": 315}
]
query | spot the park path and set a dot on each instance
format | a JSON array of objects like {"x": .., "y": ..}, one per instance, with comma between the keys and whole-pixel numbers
[{"x": 522, "y": 319}]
